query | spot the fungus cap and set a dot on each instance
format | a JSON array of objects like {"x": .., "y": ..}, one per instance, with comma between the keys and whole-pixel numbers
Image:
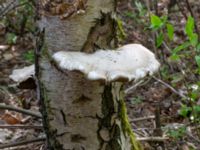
[
  {"x": 20, "y": 75},
  {"x": 129, "y": 62}
]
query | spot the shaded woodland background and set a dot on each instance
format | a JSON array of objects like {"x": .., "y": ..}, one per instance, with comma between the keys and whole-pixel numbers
[{"x": 164, "y": 110}]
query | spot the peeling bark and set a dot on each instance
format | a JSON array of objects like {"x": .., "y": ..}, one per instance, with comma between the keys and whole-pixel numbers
[{"x": 79, "y": 114}]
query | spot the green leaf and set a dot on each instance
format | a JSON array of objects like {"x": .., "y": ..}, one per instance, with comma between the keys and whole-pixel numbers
[
  {"x": 189, "y": 26},
  {"x": 181, "y": 47},
  {"x": 130, "y": 14},
  {"x": 197, "y": 58},
  {"x": 170, "y": 31},
  {"x": 198, "y": 47},
  {"x": 121, "y": 32},
  {"x": 175, "y": 57},
  {"x": 193, "y": 39},
  {"x": 140, "y": 8},
  {"x": 136, "y": 100},
  {"x": 184, "y": 110},
  {"x": 159, "y": 40},
  {"x": 29, "y": 56},
  {"x": 177, "y": 132},
  {"x": 193, "y": 95},
  {"x": 11, "y": 38},
  {"x": 156, "y": 22},
  {"x": 197, "y": 108},
  {"x": 164, "y": 19},
  {"x": 164, "y": 70}
]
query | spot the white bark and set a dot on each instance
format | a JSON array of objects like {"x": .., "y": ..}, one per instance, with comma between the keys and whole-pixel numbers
[{"x": 80, "y": 114}]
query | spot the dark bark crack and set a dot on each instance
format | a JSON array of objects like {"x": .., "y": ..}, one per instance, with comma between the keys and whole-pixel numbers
[
  {"x": 101, "y": 35},
  {"x": 63, "y": 117},
  {"x": 77, "y": 138},
  {"x": 82, "y": 99}
]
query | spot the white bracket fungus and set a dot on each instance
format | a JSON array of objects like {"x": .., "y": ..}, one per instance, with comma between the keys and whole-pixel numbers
[
  {"x": 20, "y": 75},
  {"x": 129, "y": 62}
]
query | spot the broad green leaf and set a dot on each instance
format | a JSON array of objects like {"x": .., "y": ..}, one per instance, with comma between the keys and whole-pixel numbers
[
  {"x": 159, "y": 40},
  {"x": 189, "y": 26},
  {"x": 193, "y": 39},
  {"x": 156, "y": 22},
  {"x": 170, "y": 31},
  {"x": 197, "y": 58},
  {"x": 181, "y": 47}
]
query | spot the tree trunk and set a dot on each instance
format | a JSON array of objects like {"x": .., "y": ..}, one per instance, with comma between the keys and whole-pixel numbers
[{"x": 79, "y": 114}]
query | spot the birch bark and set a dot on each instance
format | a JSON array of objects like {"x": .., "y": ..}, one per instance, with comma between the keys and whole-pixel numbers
[{"x": 79, "y": 114}]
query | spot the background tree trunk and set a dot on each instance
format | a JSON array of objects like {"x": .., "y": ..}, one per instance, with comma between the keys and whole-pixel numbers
[{"x": 79, "y": 114}]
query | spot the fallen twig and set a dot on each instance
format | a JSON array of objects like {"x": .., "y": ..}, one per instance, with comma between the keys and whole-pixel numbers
[
  {"x": 142, "y": 118},
  {"x": 136, "y": 85},
  {"x": 20, "y": 110},
  {"x": 195, "y": 128},
  {"x": 157, "y": 139},
  {"x": 22, "y": 126},
  {"x": 193, "y": 137},
  {"x": 13, "y": 144},
  {"x": 170, "y": 87},
  {"x": 10, "y": 7},
  {"x": 143, "y": 129},
  {"x": 126, "y": 91}
]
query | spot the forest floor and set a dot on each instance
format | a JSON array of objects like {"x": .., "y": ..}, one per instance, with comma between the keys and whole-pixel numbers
[{"x": 161, "y": 115}]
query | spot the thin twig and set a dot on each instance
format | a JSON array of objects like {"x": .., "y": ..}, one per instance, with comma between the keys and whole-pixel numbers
[
  {"x": 158, "y": 131},
  {"x": 195, "y": 128},
  {"x": 7, "y": 9},
  {"x": 135, "y": 85},
  {"x": 126, "y": 91},
  {"x": 170, "y": 87},
  {"x": 153, "y": 139},
  {"x": 21, "y": 127},
  {"x": 181, "y": 9},
  {"x": 193, "y": 138},
  {"x": 167, "y": 47},
  {"x": 142, "y": 118},
  {"x": 13, "y": 144},
  {"x": 138, "y": 129},
  {"x": 20, "y": 110}
]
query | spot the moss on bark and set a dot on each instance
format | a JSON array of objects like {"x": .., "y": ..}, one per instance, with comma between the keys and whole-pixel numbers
[{"x": 127, "y": 126}]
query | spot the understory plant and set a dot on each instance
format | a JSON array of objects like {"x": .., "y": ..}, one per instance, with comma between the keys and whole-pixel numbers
[{"x": 187, "y": 55}]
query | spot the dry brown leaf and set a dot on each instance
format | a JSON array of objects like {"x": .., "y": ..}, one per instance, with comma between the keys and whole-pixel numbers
[{"x": 11, "y": 119}]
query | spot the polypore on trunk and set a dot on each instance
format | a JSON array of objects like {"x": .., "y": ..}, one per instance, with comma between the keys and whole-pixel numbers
[
  {"x": 24, "y": 77},
  {"x": 79, "y": 107},
  {"x": 129, "y": 62}
]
